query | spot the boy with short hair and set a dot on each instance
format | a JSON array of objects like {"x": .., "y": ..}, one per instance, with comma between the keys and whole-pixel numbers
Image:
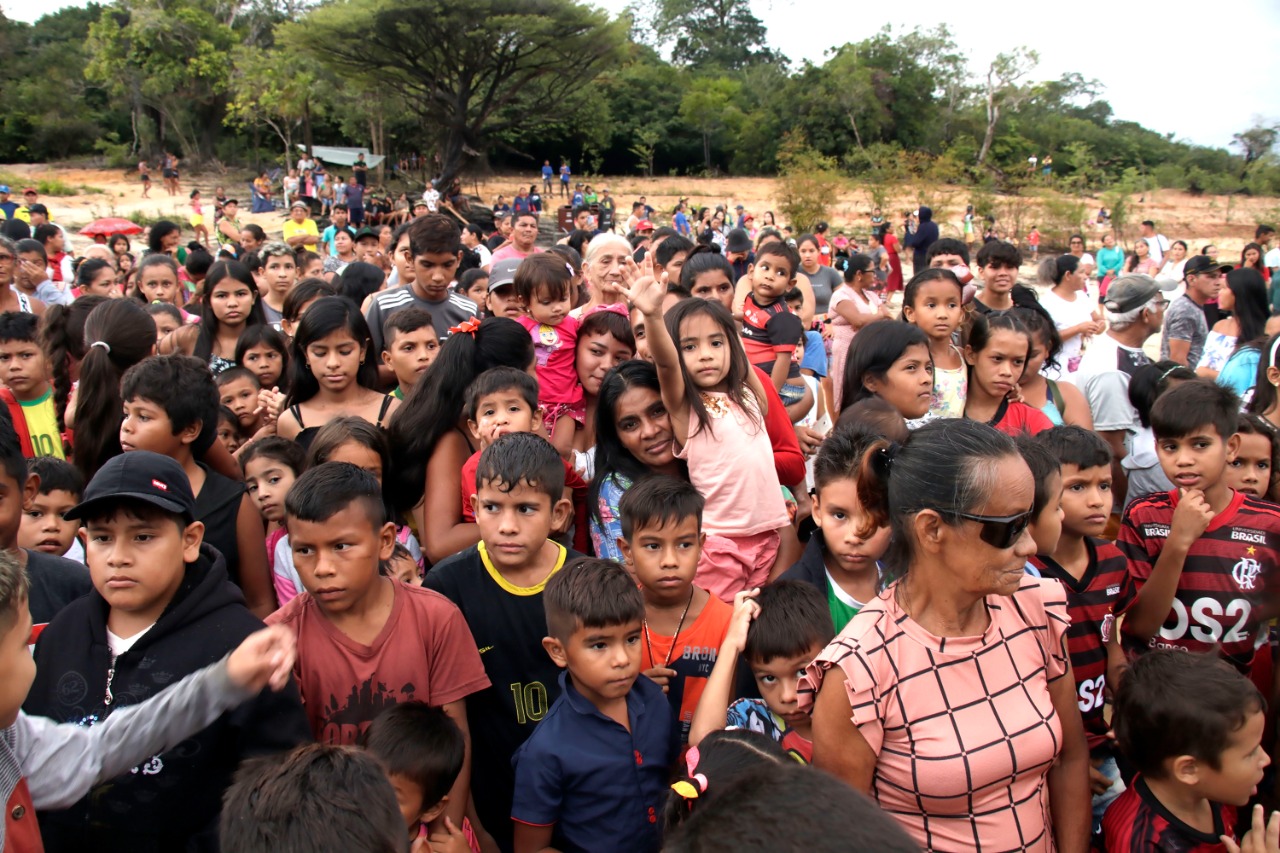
[
  {"x": 1095, "y": 576},
  {"x": 422, "y": 751},
  {"x": 318, "y": 798},
  {"x": 51, "y": 766},
  {"x": 1192, "y": 729},
  {"x": 684, "y": 625},
  {"x": 777, "y": 630},
  {"x": 171, "y": 407},
  {"x": 366, "y": 641},
  {"x": 162, "y": 607},
  {"x": 842, "y": 558},
  {"x": 769, "y": 330},
  {"x": 45, "y": 527},
  {"x": 409, "y": 346},
  {"x": 55, "y": 582},
  {"x": 593, "y": 775},
  {"x": 498, "y": 585},
  {"x": 500, "y": 401},
  {"x": 279, "y": 272},
  {"x": 238, "y": 389},
  {"x": 24, "y": 372},
  {"x": 338, "y": 218},
  {"x": 1201, "y": 556}
]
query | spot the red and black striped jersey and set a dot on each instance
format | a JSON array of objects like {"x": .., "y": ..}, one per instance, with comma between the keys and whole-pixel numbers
[
  {"x": 1138, "y": 823},
  {"x": 1092, "y": 602},
  {"x": 1228, "y": 584}
]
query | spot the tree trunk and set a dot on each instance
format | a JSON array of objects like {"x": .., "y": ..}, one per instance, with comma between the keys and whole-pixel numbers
[
  {"x": 306, "y": 128},
  {"x": 706, "y": 151},
  {"x": 993, "y": 116},
  {"x": 853, "y": 123}
]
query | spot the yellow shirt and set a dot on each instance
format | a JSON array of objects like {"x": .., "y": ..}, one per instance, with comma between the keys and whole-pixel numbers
[
  {"x": 42, "y": 425},
  {"x": 308, "y": 227}
]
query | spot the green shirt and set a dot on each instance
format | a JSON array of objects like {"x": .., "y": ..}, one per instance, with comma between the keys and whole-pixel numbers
[
  {"x": 842, "y": 605},
  {"x": 398, "y": 394}
]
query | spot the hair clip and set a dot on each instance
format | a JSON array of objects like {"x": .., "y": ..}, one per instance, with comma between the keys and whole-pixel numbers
[
  {"x": 1165, "y": 375},
  {"x": 467, "y": 327},
  {"x": 686, "y": 788},
  {"x": 106, "y": 346},
  {"x": 888, "y": 453},
  {"x": 569, "y": 267}
]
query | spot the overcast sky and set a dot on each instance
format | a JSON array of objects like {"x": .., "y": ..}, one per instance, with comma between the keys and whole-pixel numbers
[{"x": 1200, "y": 72}]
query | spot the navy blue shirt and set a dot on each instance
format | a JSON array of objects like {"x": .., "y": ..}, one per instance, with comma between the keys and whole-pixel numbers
[{"x": 602, "y": 786}]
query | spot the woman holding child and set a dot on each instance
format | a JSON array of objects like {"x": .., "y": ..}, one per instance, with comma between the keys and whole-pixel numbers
[{"x": 950, "y": 696}]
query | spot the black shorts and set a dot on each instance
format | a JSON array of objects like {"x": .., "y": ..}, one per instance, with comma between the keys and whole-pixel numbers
[{"x": 169, "y": 173}]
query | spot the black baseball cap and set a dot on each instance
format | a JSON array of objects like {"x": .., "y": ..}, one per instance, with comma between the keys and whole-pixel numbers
[
  {"x": 367, "y": 233},
  {"x": 1202, "y": 264},
  {"x": 142, "y": 476}
]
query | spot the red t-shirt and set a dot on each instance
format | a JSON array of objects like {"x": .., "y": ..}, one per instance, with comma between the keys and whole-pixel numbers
[
  {"x": 1139, "y": 823},
  {"x": 1014, "y": 419},
  {"x": 424, "y": 651},
  {"x": 572, "y": 480}
]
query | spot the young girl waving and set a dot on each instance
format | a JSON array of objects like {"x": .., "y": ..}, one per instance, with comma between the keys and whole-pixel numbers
[
  {"x": 333, "y": 372},
  {"x": 717, "y": 406}
]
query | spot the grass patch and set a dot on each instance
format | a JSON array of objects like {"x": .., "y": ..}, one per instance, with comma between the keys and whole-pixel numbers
[{"x": 58, "y": 187}]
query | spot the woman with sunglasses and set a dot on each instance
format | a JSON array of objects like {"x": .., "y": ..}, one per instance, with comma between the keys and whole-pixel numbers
[{"x": 949, "y": 697}]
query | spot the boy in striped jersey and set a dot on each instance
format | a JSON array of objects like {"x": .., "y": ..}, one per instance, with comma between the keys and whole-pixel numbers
[
  {"x": 1095, "y": 576},
  {"x": 1202, "y": 557}
]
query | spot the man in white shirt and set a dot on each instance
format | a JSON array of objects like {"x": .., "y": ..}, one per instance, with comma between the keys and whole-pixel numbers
[{"x": 1158, "y": 243}]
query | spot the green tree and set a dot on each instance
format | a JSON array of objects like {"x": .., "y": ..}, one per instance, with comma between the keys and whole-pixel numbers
[
  {"x": 1255, "y": 143},
  {"x": 709, "y": 107},
  {"x": 469, "y": 72},
  {"x": 281, "y": 89},
  {"x": 808, "y": 183},
  {"x": 711, "y": 34}
]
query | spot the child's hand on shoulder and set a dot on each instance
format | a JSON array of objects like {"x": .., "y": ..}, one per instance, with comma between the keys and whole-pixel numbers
[
  {"x": 446, "y": 839},
  {"x": 745, "y": 609},
  {"x": 1192, "y": 516},
  {"x": 1259, "y": 838},
  {"x": 264, "y": 658}
]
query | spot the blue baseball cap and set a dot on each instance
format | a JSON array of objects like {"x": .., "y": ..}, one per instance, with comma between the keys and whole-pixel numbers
[{"x": 4, "y": 188}]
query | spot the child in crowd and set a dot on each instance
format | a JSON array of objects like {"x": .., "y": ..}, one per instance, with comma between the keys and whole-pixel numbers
[
  {"x": 543, "y": 285},
  {"x": 1192, "y": 729},
  {"x": 997, "y": 350},
  {"x": 333, "y": 372},
  {"x": 593, "y": 775},
  {"x": 360, "y": 443},
  {"x": 303, "y": 295},
  {"x": 684, "y": 625},
  {"x": 498, "y": 584},
  {"x": 231, "y": 305},
  {"x": 934, "y": 302},
  {"x": 500, "y": 299},
  {"x": 1046, "y": 500},
  {"x": 45, "y": 527},
  {"x": 504, "y": 400},
  {"x": 24, "y": 372},
  {"x": 162, "y": 607},
  {"x": 404, "y": 567},
  {"x": 171, "y": 407},
  {"x": 270, "y": 466},
  {"x": 51, "y": 766},
  {"x": 229, "y": 434},
  {"x": 777, "y": 630},
  {"x": 423, "y": 752},
  {"x": 264, "y": 352},
  {"x": 318, "y": 798},
  {"x": 721, "y": 758},
  {"x": 1093, "y": 572},
  {"x": 769, "y": 329},
  {"x": 717, "y": 405},
  {"x": 842, "y": 559},
  {"x": 279, "y": 273},
  {"x": 1141, "y": 466},
  {"x": 890, "y": 361},
  {"x": 54, "y": 582},
  {"x": 364, "y": 640},
  {"x": 197, "y": 218},
  {"x": 238, "y": 391},
  {"x": 409, "y": 346},
  {"x": 158, "y": 281},
  {"x": 1253, "y": 469},
  {"x": 1202, "y": 556},
  {"x": 474, "y": 285},
  {"x": 168, "y": 318}
]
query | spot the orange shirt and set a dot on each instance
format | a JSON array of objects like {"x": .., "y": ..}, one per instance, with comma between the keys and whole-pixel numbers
[{"x": 692, "y": 655}]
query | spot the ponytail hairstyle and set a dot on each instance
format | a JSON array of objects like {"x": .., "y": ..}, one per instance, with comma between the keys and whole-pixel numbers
[
  {"x": 946, "y": 466},
  {"x": 156, "y": 259},
  {"x": 708, "y": 768},
  {"x": 704, "y": 260},
  {"x": 327, "y": 315},
  {"x": 1264, "y": 387},
  {"x": 89, "y": 269},
  {"x": 208, "y": 320},
  {"x": 118, "y": 334},
  {"x": 435, "y": 406},
  {"x": 62, "y": 339}
]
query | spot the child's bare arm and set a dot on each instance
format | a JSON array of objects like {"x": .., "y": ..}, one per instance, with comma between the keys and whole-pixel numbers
[{"x": 710, "y": 715}]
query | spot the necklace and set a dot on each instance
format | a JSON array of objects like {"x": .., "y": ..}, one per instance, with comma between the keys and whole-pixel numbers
[{"x": 680, "y": 625}]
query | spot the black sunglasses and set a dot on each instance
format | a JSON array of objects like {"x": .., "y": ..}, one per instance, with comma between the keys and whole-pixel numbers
[{"x": 1000, "y": 531}]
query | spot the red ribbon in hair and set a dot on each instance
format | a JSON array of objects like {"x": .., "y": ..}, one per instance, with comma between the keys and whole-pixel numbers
[{"x": 467, "y": 327}]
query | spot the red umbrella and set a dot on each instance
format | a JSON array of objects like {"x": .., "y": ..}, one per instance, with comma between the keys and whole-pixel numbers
[{"x": 109, "y": 226}]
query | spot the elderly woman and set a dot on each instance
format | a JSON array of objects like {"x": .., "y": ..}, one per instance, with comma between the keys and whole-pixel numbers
[
  {"x": 604, "y": 264},
  {"x": 950, "y": 697}
]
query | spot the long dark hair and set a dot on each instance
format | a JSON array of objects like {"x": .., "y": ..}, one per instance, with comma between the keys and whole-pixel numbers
[
  {"x": 267, "y": 335},
  {"x": 612, "y": 457},
  {"x": 160, "y": 230},
  {"x": 62, "y": 339},
  {"x": 118, "y": 334},
  {"x": 873, "y": 351},
  {"x": 208, "y": 320},
  {"x": 327, "y": 315},
  {"x": 1037, "y": 324},
  {"x": 1251, "y": 310},
  {"x": 739, "y": 367},
  {"x": 1264, "y": 393},
  {"x": 1258, "y": 265},
  {"x": 435, "y": 405}
]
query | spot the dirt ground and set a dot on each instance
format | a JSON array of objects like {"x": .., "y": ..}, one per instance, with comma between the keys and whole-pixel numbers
[{"x": 1226, "y": 221}]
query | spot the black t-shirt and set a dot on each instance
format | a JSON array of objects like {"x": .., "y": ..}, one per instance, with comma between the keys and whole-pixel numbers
[
  {"x": 55, "y": 583},
  {"x": 508, "y": 624}
]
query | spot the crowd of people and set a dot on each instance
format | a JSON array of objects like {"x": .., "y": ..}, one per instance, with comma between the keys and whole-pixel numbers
[{"x": 421, "y": 537}]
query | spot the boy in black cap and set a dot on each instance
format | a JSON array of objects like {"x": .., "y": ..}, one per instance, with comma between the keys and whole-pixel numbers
[
  {"x": 1185, "y": 327},
  {"x": 162, "y": 608}
]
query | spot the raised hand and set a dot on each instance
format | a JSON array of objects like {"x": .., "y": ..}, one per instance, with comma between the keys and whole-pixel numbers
[{"x": 1192, "y": 516}]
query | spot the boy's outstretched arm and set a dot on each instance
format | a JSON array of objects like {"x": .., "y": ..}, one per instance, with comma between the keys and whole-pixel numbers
[{"x": 62, "y": 762}]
